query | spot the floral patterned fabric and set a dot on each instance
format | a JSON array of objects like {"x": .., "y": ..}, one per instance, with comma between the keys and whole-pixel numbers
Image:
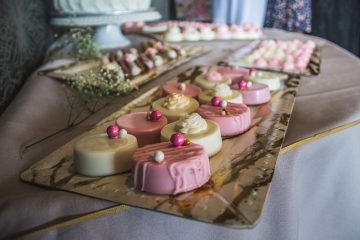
[
  {"x": 290, "y": 15},
  {"x": 24, "y": 37},
  {"x": 193, "y": 10}
]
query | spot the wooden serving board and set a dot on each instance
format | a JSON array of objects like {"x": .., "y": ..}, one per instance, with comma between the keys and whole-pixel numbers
[{"x": 241, "y": 171}]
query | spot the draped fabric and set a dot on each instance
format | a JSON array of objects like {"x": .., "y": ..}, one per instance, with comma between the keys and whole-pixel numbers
[
  {"x": 24, "y": 38},
  {"x": 239, "y": 11},
  {"x": 290, "y": 15}
]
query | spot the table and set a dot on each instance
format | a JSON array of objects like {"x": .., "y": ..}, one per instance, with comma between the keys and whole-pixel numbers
[{"x": 314, "y": 194}]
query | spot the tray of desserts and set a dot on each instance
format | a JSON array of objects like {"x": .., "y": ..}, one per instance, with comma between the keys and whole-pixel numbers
[
  {"x": 137, "y": 64},
  {"x": 203, "y": 146},
  {"x": 287, "y": 56},
  {"x": 187, "y": 31}
]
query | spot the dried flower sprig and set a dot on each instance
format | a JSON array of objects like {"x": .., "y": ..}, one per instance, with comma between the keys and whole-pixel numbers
[
  {"x": 84, "y": 46},
  {"x": 101, "y": 82}
]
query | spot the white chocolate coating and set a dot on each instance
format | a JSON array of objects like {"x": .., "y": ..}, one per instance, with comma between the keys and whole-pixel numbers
[
  {"x": 98, "y": 155},
  {"x": 210, "y": 138}
]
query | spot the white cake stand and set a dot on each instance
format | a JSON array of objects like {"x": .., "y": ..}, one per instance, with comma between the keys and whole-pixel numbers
[{"x": 108, "y": 34}]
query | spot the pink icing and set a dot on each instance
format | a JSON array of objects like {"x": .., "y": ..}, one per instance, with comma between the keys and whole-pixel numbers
[
  {"x": 258, "y": 93},
  {"x": 261, "y": 62},
  {"x": 213, "y": 76},
  {"x": 234, "y": 73},
  {"x": 236, "y": 123},
  {"x": 184, "y": 168},
  {"x": 190, "y": 90},
  {"x": 145, "y": 131}
]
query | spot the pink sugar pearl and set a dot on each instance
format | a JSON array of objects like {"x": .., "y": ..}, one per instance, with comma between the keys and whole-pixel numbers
[
  {"x": 177, "y": 139},
  {"x": 215, "y": 101},
  {"x": 155, "y": 115},
  {"x": 113, "y": 131}
]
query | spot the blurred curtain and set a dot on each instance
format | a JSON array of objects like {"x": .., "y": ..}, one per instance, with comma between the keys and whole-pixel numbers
[
  {"x": 290, "y": 15},
  {"x": 239, "y": 11}
]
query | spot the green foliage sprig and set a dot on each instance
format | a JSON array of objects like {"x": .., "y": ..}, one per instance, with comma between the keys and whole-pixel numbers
[{"x": 84, "y": 46}]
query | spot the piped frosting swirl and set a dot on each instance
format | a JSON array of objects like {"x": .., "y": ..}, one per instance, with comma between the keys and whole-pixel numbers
[
  {"x": 176, "y": 101},
  {"x": 221, "y": 90},
  {"x": 191, "y": 124}
]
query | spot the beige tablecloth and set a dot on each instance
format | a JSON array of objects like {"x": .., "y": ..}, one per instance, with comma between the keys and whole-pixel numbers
[{"x": 314, "y": 194}]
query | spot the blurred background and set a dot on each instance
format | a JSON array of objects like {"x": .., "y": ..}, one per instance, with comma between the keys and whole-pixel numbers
[{"x": 25, "y": 33}]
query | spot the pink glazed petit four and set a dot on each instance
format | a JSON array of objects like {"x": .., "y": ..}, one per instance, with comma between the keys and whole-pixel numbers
[
  {"x": 164, "y": 168},
  {"x": 232, "y": 118},
  {"x": 253, "y": 93},
  {"x": 235, "y": 73},
  {"x": 146, "y": 127},
  {"x": 187, "y": 89}
]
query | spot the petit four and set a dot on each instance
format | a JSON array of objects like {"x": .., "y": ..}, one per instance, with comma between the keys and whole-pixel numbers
[
  {"x": 206, "y": 33},
  {"x": 232, "y": 118},
  {"x": 105, "y": 154},
  {"x": 292, "y": 56},
  {"x": 146, "y": 127},
  {"x": 198, "y": 130},
  {"x": 253, "y": 93},
  {"x": 210, "y": 79},
  {"x": 221, "y": 90},
  {"x": 235, "y": 73},
  {"x": 187, "y": 89},
  {"x": 174, "y": 35},
  {"x": 245, "y": 31},
  {"x": 191, "y": 34},
  {"x": 272, "y": 80},
  {"x": 166, "y": 168},
  {"x": 222, "y": 32},
  {"x": 175, "y": 106},
  {"x": 152, "y": 53}
]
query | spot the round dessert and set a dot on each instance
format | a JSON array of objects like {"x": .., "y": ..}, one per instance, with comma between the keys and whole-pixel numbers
[
  {"x": 146, "y": 127},
  {"x": 223, "y": 91},
  {"x": 272, "y": 80},
  {"x": 235, "y": 73},
  {"x": 197, "y": 130},
  {"x": 175, "y": 106},
  {"x": 163, "y": 168},
  {"x": 210, "y": 79},
  {"x": 222, "y": 32},
  {"x": 187, "y": 89},
  {"x": 191, "y": 34},
  {"x": 101, "y": 154},
  {"x": 206, "y": 33},
  {"x": 253, "y": 93},
  {"x": 174, "y": 35},
  {"x": 233, "y": 119}
]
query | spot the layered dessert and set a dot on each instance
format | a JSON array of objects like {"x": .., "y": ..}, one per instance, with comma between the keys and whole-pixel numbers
[
  {"x": 232, "y": 118},
  {"x": 210, "y": 79},
  {"x": 198, "y": 130},
  {"x": 146, "y": 127},
  {"x": 223, "y": 91},
  {"x": 106, "y": 153},
  {"x": 175, "y": 106},
  {"x": 186, "y": 89},
  {"x": 253, "y": 93},
  {"x": 166, "y": 168}
]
